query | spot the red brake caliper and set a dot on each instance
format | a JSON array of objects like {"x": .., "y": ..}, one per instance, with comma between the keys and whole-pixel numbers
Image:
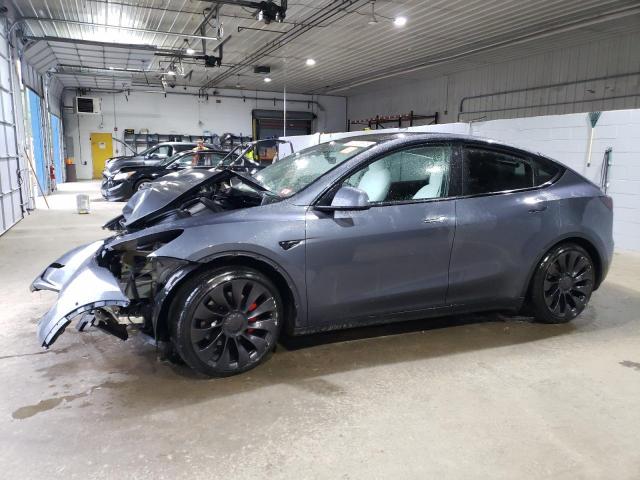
[{"x": 252, "y": 307}]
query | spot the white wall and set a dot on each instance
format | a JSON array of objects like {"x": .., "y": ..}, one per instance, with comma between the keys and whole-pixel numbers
[
  {"x": 184, "y": 114},
  {"x": 425, "y": 92}
]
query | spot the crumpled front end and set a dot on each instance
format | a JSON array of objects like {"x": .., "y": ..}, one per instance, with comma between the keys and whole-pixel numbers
[
  {"x": 83, "y": 286},
  {"x": 103, "y": 281}
]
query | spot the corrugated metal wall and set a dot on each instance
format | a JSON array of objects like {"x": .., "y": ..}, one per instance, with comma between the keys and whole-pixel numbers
[
  {"x": 609, "y": 60},
  {"x": 13, "y": 190}
]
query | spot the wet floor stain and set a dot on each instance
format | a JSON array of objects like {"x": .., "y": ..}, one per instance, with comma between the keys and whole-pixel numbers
[
  {"x": 51, "y": 403},
  {"x": 630, "y": 364},
  {"x": 44, "y": 405}
]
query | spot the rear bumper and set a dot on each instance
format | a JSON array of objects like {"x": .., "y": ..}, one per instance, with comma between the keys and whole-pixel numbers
[{"x": 83, "y": 286}]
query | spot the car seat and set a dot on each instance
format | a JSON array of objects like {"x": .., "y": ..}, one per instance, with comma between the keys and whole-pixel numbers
[
  {"x": 376, "y": 182},
  {"x": 431, "y": 189}
]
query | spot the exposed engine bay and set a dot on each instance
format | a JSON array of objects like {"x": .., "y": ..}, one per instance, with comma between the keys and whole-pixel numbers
[{"x": 135, "y": 281}]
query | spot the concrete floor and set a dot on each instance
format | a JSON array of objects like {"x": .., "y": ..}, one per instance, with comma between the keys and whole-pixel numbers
[{"x": 473, "y": 397}]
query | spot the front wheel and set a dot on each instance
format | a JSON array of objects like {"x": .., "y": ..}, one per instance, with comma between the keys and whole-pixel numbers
[
  {"x": 141, "y": 185},
  {"x": 226, "y": 321},
  {"x": 562, "y": 284}
]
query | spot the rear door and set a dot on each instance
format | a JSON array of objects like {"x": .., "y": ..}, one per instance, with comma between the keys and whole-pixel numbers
[
  {"x": 393, "y": 257},
  {"x": 502, "y": 226}
]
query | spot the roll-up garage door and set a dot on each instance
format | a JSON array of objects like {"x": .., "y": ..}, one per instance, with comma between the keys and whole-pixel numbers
[{"x": 11, "y": 192}]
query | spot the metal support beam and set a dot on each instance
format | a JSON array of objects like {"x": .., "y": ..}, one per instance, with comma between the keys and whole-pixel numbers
[
  {"x": 130, "y": 29},
  {"x": 94, "y": 43}
]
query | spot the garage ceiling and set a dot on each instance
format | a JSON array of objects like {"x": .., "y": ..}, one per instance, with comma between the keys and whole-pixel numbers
[{"x": 121, "y": 44}]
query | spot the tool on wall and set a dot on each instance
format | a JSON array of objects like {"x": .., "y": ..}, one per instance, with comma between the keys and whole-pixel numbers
[
  {"x": 593, "y": 119},
  {"x": 607, "y": 160}
]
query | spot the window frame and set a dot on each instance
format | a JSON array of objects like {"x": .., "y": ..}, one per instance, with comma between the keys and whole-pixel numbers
[
  {"x": 531, "y": 160},
  {"x": 454, "y": 180}
]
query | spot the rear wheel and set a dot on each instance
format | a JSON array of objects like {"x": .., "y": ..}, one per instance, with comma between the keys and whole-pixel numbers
[
  {"x": 226, "y": 321},
  {"x": 562, "y": 284}
]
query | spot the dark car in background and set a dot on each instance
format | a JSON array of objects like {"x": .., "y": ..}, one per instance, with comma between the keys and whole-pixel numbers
[
  {"x": 120, "y": 184},
  {"x": 150, "y": 156},
  {"x": 357, "y": 231}
]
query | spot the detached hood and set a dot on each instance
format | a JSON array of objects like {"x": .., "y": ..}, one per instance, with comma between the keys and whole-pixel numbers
[
  {"x": 172, "y": 191},
  {"x": 164, "y": 194}
]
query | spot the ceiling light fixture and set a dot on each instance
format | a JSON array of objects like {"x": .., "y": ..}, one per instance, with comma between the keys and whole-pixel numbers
[
  {"x": 373, "y": 20},
  {"x": 310, "y": 62},
  {"x": 187, "y": 48},
  {"x": 400, "y": 21},
  {"x": 267, "y": 79}
]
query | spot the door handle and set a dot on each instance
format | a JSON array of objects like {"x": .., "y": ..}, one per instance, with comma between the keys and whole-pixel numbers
[{"x": 439, "y": 219}]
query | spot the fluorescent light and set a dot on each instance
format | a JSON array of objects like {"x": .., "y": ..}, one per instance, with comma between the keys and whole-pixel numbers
[
  {"x": 400, "y": 21},
  {"x": 110, "y": 68},
  {"x": 190, "y": 51},
  {"x": 267, "y": 79},
  {"x": 310, "y": 62},
  {"x": 171, "y": 72}
]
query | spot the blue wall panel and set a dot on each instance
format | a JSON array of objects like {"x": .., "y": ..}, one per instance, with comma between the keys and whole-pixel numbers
[
  {"x": 57, "y": 151},
  {"x": 38, "y": 146}
]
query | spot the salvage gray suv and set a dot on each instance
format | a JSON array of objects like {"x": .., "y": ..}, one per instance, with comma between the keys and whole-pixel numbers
[{"x": 363, "y": 230}]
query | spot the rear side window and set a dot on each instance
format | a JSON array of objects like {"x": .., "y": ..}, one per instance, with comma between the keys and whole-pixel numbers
[
  {"x": 486, "y": 171},
  {"x": 544, "y": 171}
]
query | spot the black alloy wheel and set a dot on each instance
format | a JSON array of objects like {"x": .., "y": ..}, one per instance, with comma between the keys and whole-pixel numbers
[
  {"x": 563, "y": 284},
  {"x": 226, "y": 321}
]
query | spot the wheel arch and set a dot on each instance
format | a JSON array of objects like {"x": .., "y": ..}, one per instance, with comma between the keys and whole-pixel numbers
[
  {"x": 583, "y": 242},
  {"x": 272, "y": 270}
]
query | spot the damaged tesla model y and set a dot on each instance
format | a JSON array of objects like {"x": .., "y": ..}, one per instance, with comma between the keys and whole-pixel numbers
[{"x": 357, "y": 231}]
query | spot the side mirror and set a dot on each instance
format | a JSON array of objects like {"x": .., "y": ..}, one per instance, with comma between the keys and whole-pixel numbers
[{"x": 347, "y": 198}]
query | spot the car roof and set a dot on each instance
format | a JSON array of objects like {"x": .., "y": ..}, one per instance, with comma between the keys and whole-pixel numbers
[{"x": 411, "y": 137}]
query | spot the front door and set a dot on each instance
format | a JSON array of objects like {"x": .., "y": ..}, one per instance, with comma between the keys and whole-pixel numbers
[
  {"x": 391, "y": 258},
  {"x": 101, "y": 151}
]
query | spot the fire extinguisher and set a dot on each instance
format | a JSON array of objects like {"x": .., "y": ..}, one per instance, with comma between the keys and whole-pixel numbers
[{"x": 52, "y": 176}]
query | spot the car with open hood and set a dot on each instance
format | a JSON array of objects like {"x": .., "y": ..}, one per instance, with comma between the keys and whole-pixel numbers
[{"x": 363, "y": 230}]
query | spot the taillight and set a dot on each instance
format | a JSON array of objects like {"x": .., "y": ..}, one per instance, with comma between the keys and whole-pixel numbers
[{"x": 608, "y": 201}]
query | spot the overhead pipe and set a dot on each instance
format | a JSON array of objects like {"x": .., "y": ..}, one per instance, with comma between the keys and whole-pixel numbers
[
  {"x": 541, "y": 87},
  {"x": 554, "y": 104},
  {"x": 217, "y": 95}
]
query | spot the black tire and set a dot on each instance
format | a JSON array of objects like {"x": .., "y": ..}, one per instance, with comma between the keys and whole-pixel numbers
[
  {"x": 562, "y": 284},
  {"x": 139, "y": 183},
  {"x": 215, "y": 329}
]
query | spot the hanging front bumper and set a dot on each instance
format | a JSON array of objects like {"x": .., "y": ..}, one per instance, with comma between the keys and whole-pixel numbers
[{"x": 83, "y": 286}]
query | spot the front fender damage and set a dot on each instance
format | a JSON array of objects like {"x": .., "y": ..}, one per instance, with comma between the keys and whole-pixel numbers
[{"x": 83, "y": 286}]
